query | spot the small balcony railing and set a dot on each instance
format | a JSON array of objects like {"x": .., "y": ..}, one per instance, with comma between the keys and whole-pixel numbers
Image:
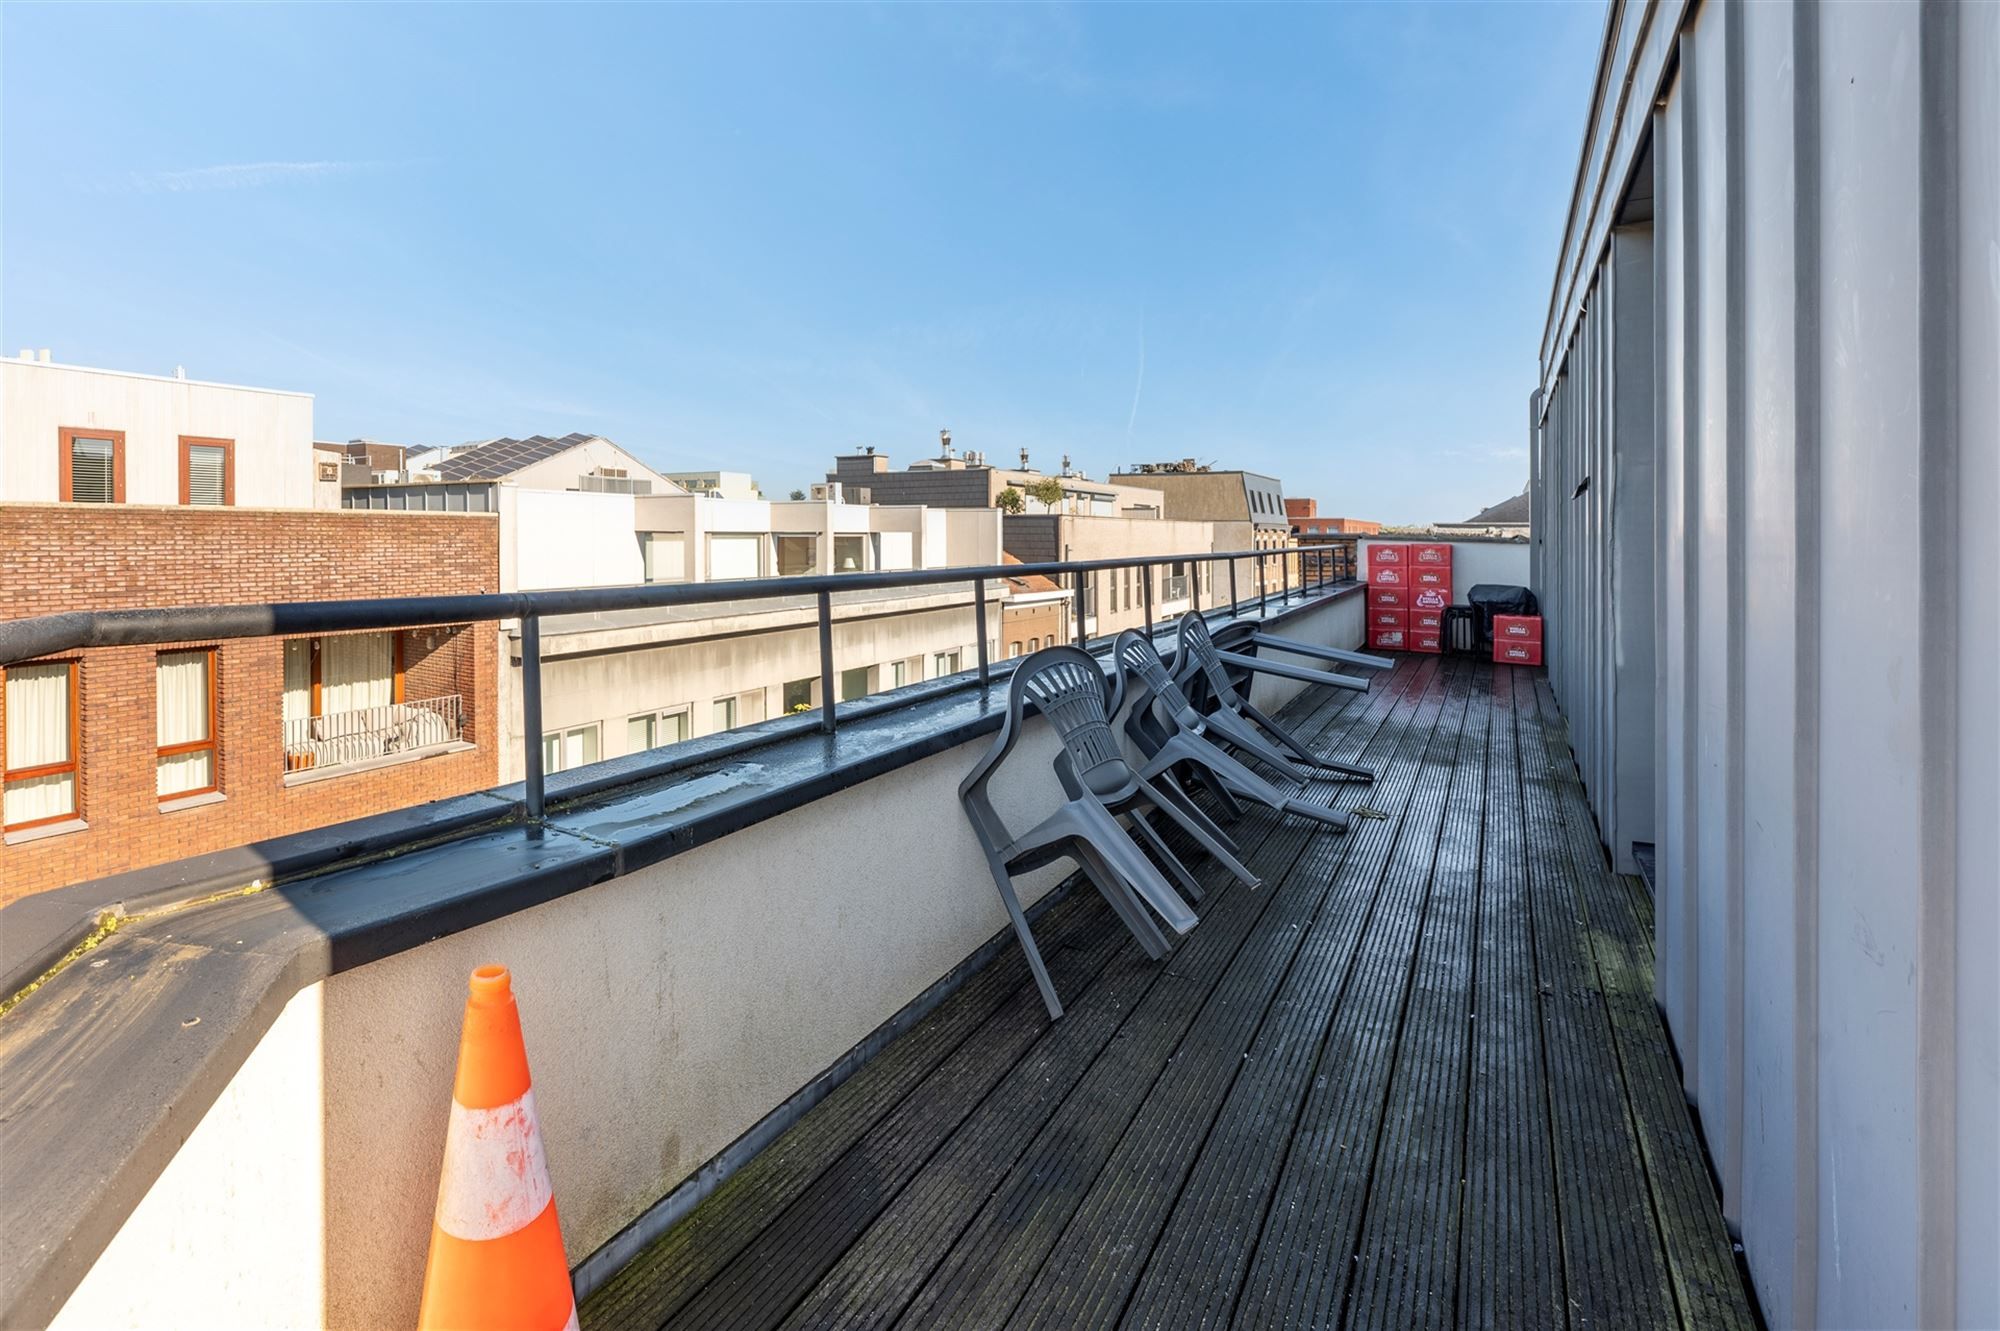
[
  {"x": 340, "y": 739},
  {"x": 1174, "y": 587}
]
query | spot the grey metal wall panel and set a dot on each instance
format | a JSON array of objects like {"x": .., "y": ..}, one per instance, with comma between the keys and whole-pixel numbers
[{"x": 1826, "y": 610}]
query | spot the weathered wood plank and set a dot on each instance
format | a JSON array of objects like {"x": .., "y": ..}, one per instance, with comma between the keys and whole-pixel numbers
[
  {"x": 1305, "y": 1255},
  {"x": 1013, "y": 1234},
  {"x": 1699, "y": 1253},
  {"x": 1406, "y": 1271},
  {"x": 1613, "y": 1263},
  {"x": 1510, "y": 1253}
]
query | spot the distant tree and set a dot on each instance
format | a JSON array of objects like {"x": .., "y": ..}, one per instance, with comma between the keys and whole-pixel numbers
[
  {"x": 798, "y": 494},
  {"x": 1009, "y": 501},
  {"x": 1048, "y": 492}
]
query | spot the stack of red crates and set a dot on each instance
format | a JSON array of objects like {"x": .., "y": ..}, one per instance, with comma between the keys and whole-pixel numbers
[
  {"x": 1430, "y": 593},
  {"x": 1389, "y": 596},
  {"x": 1517, "y": 639},
  {"x": 1409, "y": 587}
]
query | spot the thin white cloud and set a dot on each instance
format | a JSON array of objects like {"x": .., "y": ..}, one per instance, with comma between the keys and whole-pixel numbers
[
  {"x": 1140, "y": 384},
  {"x": 236, "y": 175}
]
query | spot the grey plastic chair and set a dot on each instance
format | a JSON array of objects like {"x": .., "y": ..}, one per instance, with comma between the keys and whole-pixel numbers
[
  {"x": 1167, "y": 728},
  {"x": 1202, "y": 669},
  {"x": 1068, "y": 687}
]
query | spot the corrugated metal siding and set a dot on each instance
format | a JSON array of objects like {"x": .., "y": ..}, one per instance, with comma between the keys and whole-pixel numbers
[{"x": 1824, "y": 595}]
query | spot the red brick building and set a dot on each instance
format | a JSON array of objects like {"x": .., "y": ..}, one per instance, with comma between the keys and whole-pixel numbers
[
  {"x": 118, "y": 758},
  {"x": 1306, "y": 521}
]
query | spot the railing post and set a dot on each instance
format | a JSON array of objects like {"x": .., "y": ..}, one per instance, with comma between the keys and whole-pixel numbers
[
  {"x": 531, "y": 712},
  {"x": 1194, "y": 585},
  {"x": 979, "y": 625},
  {"x": 826, "y": 662},
  {"x": 1076, "y": 595},
  {"x": 1146, "y": 595},
  {"x": 1232, "y": 586},
  {"x": 1285, "y": 572}
]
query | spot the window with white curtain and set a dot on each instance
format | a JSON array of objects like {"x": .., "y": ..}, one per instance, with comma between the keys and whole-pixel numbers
[
  {"x": 184, "y": 687},
  {"x": 734, "y": 556},
  {"x": 39, "y": 781},
  {"x": 356, "y": 671}
]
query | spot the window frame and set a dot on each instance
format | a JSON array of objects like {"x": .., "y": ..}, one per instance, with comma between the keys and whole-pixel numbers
[
  {"x": 190, "y": 442},
  {"x": 66, "y": 435},
  {"x": 74, "y": 766},
  {"x": 211, "y": 745}
]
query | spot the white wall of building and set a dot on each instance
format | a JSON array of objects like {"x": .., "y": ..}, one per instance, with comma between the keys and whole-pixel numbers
[
  {"x": 567, "y": 538},
  {"x": 272, "y": 431}
]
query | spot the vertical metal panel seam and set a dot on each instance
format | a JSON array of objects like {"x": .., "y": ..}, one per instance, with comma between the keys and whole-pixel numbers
[
  {"x": 1690, "y": 243},
  {"x": 1736, "y": 483},
  {"x": 1805, "y": 659},
  {"x": 1937, "y": 648},
  {"x": 1660, "y": 793}
]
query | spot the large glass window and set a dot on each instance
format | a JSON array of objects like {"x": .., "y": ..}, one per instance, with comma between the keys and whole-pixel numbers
[
  {"x": 92, "y": 467},
  {"x": 944, "y": 663},
  {"x": 184, "y": 722},
  {"x": 797, "y": 555},
  {"x": 850, "y": 554},
  {"x": 656, "y": 730},
  {"x": 857, "y": 683},
  {"x": 38, "y": 781},
  {"x": 798, "y": 694}
]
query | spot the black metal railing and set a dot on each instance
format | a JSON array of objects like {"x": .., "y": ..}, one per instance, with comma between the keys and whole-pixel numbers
[{"x": 80, "y": 630}]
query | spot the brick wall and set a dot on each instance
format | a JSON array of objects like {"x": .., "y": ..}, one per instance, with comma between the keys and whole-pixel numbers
[{"x": 73, "y": 557}]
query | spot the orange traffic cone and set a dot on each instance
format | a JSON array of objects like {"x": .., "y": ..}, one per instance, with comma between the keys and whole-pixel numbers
[{"x": 496, "y": 1249}]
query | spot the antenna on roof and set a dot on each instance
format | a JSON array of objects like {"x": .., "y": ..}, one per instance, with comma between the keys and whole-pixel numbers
[
  {"x": 944, "y": 443},
  {"x": 1024, "y": 459}
]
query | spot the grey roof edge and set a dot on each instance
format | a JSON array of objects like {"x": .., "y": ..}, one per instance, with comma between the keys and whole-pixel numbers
[{"x": 365, "y": 891}]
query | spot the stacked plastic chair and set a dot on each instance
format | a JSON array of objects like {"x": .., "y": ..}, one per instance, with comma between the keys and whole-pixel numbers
[
  {"x": 1069, "y": 688},
  {"x": 1218, "y": 681},
  {"x": 1173, "y": 734}
]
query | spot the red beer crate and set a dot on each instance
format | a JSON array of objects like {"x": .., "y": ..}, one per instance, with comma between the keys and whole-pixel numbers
[
  {"x": 1427, "y": 620},
  {"x": 1394, "y": 640},
  {"x": 1381, "y": 554},
  {"x": 1388, "y": 575},
  {"x": 1517, "y": 628},
  {"x": 1426, "y": 640},
  {"x": 1380, "y": 617},
  {"x": 1431, "y": 554},
  {"x": 1430, "y": 598},
  {"x": 1515, "y": 652},
  {"x": 1389, "y": 598},
  {"x": 1427, "y": 576}
]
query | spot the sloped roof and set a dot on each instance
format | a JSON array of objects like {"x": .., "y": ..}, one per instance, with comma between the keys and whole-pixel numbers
[
  {"x": 1513, "y": 512},
  {"x": 499, "y": 458},
  {"x": 1030, "y": 582}
]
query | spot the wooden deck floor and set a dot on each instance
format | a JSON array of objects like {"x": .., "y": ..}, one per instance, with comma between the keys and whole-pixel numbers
[{"x": 1415, "y": 1080}]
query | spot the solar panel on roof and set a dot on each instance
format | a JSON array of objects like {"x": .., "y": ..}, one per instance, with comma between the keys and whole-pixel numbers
[{"x": 504, "y": 457}]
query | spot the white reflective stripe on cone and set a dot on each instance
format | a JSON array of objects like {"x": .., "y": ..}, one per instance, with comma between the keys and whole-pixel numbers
[
  {"x": 571, "y": 1325},
  {"x": 496, "y": 1178}
]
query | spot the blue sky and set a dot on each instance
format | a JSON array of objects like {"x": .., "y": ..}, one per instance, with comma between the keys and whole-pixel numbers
[{"x": 1315, "y": 242}]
